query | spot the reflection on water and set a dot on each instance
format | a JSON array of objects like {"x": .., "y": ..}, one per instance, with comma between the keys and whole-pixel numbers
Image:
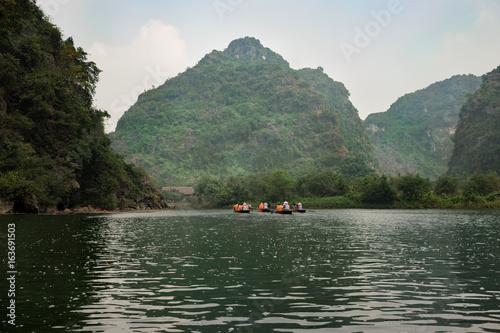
[{"x": 214, "y": 271}]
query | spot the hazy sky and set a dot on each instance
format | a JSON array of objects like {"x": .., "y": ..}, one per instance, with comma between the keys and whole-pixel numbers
[{"x": 380, "y": 49}]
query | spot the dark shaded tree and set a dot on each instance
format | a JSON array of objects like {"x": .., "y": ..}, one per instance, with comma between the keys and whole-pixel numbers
[
  {"x": 482, "y": 184},
  {"x": 446, "y": 185},
  {"x": 378, "y": 191},
  {"x": 413, "y": 188}
]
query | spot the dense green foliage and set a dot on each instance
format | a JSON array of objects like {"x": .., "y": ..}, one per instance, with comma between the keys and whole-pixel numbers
[
  {"x": 330, "y": 190},
  {"x": 446, "y": 185},
  {"x": 477, "y": 139},
  {"x": 242, "y": 111},
  {"x": 415, "y": 134},
  {"x": 377, "y": 191},
  {"x": 53, "y": 150}
]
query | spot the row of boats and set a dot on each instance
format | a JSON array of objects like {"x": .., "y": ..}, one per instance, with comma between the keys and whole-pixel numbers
[{"x": 284, "y": 208}]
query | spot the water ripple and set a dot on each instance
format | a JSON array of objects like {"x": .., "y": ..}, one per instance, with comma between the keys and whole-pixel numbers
[{"x": 342, "y": 271}]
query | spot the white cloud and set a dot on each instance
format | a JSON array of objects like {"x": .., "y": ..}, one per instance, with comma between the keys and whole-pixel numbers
[{"x": 154, "y": 55}]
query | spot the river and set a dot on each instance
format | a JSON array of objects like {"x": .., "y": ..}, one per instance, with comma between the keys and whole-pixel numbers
[{"x": 216, "y": 271}]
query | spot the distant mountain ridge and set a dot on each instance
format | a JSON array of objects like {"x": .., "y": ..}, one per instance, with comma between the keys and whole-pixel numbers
[
  {"x": 244, "y": 110},
  {"x": 477, "y": 138},
  {"x": 415, "y": 134}
]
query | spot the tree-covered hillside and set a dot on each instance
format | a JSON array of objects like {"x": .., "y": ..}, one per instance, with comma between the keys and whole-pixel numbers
[
  {"x": 415, "y": 134},
  {"x": 53, "y": 149},
  {"x": 240, "y": 111},
  {"x": 477, "y": 139}
]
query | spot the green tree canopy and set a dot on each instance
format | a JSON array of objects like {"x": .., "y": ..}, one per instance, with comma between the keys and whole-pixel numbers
[
  {"x": 53, "y": 149},
  {"x": 413, "y": 187}
]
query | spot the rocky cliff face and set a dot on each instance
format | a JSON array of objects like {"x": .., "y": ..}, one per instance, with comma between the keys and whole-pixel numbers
[
  {"x": 240, "y": 111},
  {"x": 477, "y": 137},
  {"x": 415, "y": 134}
]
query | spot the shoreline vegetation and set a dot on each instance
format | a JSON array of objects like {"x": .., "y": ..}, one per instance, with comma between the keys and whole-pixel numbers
[
  {"x": 83, "y": 210},
  {"x": 328, "y": 190},
  {"x": 53, "y": 148},
  {"x": 5, "y": 209}
]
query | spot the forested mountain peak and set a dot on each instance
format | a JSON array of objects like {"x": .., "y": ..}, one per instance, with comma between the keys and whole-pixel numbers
[
  {"x": 244, "y": 51},
  {"x": 240, "y": 111},
  {"x": 250, "y": 49}
]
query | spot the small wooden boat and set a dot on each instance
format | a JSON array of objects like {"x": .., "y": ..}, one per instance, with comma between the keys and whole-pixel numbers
[
  {"x": 300, "y": 210},
  {"x": 264, "y": 210},
  {"x": 242, "y": 211},
  {"x": 285, "y": 211}
]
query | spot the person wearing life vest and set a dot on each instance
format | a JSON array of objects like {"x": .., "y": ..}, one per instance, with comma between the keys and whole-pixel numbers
[
  {"x": 237, "y": 207},
  {"x": 261, "y": 206},
  {"x": 245, "y": 206},
  {"x": 279, "y": 207},
  {"x": 299, "y": 206},
  {"x": 286, "y": 206}
]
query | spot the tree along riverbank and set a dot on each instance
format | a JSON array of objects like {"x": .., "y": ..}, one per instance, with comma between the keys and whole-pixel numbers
[
  {"x": 429, "y": 202},
  {"x": 7, "y": 208},
  {"x": 330, "y": 190}
]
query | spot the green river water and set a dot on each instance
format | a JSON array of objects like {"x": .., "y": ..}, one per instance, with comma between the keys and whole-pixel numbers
[{"x": 216, "y": 271}]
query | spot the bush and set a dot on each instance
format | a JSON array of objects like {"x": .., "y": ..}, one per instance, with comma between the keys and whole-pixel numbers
[
  {"x": 482, "y": 184},
  {"x": 493, "y": 196},
  {"x": 322, "y": 184},
  {"x": 413, "y": 188},
  {"x": 337, "y": 202},
  {"x": 446, "y": 185},
  {"x": 378, "y": 191}
]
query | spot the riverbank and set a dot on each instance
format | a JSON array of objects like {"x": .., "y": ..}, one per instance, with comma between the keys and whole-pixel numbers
[
  {"x": 427, "y": 202},
  {"x": 336, "y": 202},
  {"x": 6, "y": 208}
]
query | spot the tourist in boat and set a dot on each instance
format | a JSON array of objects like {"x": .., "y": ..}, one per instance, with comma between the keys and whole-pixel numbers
[
  {"x": 264, "y": 207},
  {"x": 299, "y": 208},
  {"x": 237, "y": 207},
  {"x": 279, "y": 207},
  {"x": 286, "y": 206},
  {"x": 245, "y": 206}
]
